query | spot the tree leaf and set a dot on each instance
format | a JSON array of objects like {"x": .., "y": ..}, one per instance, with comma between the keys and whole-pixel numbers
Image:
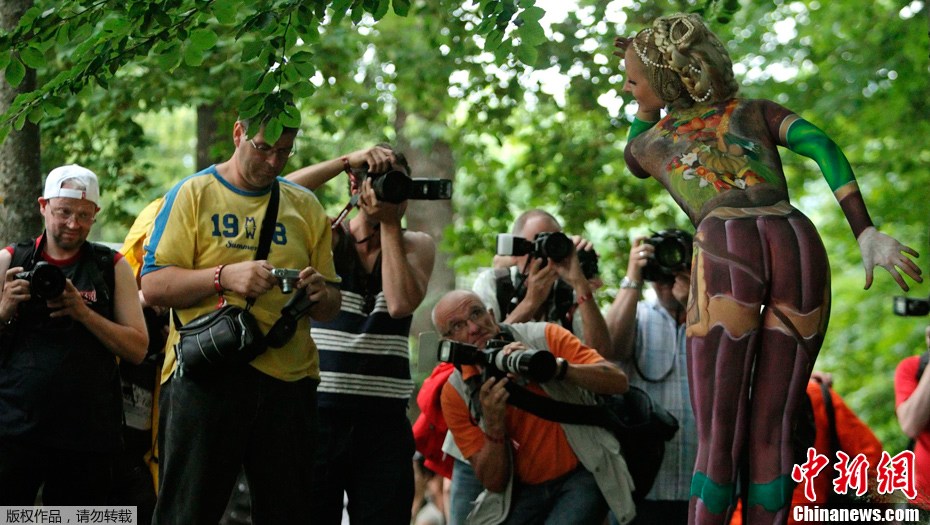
[
  {"x": 203, "y": 39},
  {"x": 4, "y": 59},
  {"x": 36, "y": 114},
  {"x": 224, "y": 11},
  {"x": 531, "y": 33},
  {"x": 381, "y": 10},
  {"x": 252, "y": 49},
  {"x": 303, "y": 89},
  {"x": 251, "y": 106},
  {"x": 401, "y": 7},
  {"x": 252, "y": 80},
  {"x": 302, "y": 57},
  {"x": 532, "y": 14},
  {"x": 527, "y": 54},
  {"x": 15, "y": 72},
  {"x": 273, "y": 129},
  {"x": 290, "y": 117},
  {"x": 192, "y": 56}
]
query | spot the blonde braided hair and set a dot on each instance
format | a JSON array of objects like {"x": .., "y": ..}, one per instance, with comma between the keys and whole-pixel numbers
[{"x": 685, "y": 61}]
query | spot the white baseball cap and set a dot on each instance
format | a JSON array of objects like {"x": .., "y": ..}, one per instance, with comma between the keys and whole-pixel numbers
[{"x": 58, "y": 176}]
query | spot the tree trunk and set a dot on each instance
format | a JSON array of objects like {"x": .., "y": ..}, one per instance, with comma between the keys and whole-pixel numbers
[
  {"x": 434, "y": 161},
  {"x": 214, "y": 135},
  {"x": 20, "y": 175}
]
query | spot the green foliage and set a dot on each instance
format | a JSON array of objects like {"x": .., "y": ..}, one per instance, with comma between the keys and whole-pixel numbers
[
  {"x": 469, "y": 76},
  {"x": 112, "y": 35}
]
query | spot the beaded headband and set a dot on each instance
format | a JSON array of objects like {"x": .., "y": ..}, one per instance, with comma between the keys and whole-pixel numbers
[{"x": 641, "y": 53}]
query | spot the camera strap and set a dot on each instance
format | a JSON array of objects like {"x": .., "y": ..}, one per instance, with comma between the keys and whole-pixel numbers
[
  {"x": 337, "y": 222},
  {"x": 264, "y": 244}
]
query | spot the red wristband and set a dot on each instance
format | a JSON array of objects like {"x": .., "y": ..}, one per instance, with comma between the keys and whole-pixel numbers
[
  {"x": 345, "y": 165},
  {"x": 216, "y": 279},
  {"x": 586, "y": 297}
]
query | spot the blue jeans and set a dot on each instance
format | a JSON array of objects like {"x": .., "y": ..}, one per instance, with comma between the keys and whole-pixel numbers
[
  {"x": 573, "y": 498},
  {"x": 465, "y": 488},
  {"x": 368, "y": 455}
]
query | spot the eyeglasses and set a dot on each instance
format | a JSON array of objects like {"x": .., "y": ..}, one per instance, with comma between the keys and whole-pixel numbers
[
  {"x": 267, "y": 150},
  {"x": 457, "y": 328},
  {"x": 66, "y": 214}
]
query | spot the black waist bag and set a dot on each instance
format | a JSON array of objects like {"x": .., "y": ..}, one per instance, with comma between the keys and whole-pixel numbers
[
  {"x": 223, "y": 338},
  {"x": 642, "y": 428}
]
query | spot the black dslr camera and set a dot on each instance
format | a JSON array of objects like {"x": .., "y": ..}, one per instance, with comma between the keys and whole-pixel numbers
[
  {"x": 536, "y": 365},
  {"x": 672, "y": 254},
  {"x": 46, "y": 281},
  {"x": 395, "y": 186},
  {"x": 547, "y": 245},
  {"x": 908, "y": 307}
]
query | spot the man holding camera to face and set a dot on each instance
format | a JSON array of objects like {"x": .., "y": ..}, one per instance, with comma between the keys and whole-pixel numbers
[
  {"x": 649, "y": 341},
  {"x": 534, "y": 470},
  {"x": 204, "y": 252},
  {"x": 532, "y": 285},
  {"x": 68, "y": 309},
  {"x": 366, "y": 441}
]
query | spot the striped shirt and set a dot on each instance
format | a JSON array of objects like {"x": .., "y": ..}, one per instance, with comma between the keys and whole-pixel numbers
[
  {"x": 364, "y": 355},
  {"x": 661, "y": 356}
]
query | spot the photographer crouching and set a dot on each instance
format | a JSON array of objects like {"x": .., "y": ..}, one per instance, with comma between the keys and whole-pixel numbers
[
  {"x": 534, "y": 470},
  {"x": 69, "y": 308}
]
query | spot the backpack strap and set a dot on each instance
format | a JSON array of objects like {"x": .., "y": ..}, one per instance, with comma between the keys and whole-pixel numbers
[
  {"x": 831, "y": 418},
  {"x": 24, "y": 254},
  {"x": 105, "y": 275}
]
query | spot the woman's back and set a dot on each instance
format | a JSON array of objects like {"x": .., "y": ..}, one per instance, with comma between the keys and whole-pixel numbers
[{"x": 711, "y": 156}]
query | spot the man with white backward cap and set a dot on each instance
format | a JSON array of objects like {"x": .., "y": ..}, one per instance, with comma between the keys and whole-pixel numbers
[{"x": 68, "y": 309}]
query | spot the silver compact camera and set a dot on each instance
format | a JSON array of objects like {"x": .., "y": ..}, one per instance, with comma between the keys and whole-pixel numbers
[{"x": 287, "y": 278}]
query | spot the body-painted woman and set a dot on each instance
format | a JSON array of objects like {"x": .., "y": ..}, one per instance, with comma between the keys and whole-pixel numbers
[{"x": 761, "y": 281}]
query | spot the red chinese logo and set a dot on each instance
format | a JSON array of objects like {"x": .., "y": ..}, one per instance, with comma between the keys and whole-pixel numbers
[
  {"x": 895, "y": 473},
  {"x": 809, "y": 470}
]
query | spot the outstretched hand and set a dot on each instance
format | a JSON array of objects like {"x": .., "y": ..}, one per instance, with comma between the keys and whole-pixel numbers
[{"x": 883, "y": 250}]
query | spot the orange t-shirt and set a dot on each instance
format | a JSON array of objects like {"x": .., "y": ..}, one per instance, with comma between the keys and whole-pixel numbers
[{"x": 540, "y": 450}]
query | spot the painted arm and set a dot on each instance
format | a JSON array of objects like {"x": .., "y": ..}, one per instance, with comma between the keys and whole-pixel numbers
[{"x": 877, "y": 249}]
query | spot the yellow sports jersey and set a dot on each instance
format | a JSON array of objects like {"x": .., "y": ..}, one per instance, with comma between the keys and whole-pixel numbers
[
  {"x": 205, "y": 221},
  {"x": 132, "y": 249}
]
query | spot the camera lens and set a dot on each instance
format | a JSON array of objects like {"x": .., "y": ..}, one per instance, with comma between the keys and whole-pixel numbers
[
  {"x": 555, "y": 245},
  {"x": 671, "y": 254},
  {"x": 393, "y": 186},
  {"x": 47, "y": 281}
]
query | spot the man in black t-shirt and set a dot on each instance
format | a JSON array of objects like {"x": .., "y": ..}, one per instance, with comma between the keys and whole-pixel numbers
[{"x": 68, "y": 309}]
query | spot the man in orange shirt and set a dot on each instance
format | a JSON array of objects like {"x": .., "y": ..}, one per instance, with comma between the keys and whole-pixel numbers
[{"x": 541, "y": 470}]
